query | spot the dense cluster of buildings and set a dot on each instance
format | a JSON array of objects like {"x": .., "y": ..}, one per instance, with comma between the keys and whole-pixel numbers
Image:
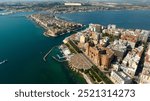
[
  {"x": 120, "y": 49},
  {"x": 120, "y": 77},
  {"x": 54, "y": 25},
  {"x": 131, "y": 62},
  {"x": 145, "y": 75},
  {"x": 121, "y": 56}
]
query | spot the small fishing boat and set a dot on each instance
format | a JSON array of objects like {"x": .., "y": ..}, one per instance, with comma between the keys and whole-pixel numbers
[{"x": 4, "y": 61}]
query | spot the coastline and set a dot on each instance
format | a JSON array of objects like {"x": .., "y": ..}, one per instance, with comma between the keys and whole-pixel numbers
[
  {"x": 39, "y": 50},
  {"x": 83, "y": 75},
  {"x": 50, "y": 33},
  {"x": 66, "y": 62},
  {"x": 54, "y": 26}
]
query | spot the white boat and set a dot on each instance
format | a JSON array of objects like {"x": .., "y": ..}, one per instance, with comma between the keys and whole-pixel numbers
[{"x": 4, "y": 61}]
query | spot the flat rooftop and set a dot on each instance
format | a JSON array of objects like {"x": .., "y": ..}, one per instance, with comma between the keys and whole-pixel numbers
[{"x": 122, "y": 75}]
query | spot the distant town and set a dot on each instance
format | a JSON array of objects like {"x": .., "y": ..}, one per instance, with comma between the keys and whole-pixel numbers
[
  {"x": 55, "y": 26},
  {"x": 62, "y": 7}
]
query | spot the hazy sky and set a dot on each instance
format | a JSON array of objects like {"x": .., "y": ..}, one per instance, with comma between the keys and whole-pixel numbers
[{"x": 74, "y": 0}]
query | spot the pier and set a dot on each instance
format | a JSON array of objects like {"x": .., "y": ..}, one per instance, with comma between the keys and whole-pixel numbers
[
  {"x": 58, "y": 59},
  {"x": 45, "y": 56}
]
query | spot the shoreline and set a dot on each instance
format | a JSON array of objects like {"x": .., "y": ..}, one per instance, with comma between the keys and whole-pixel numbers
[
  {"x": 54, "y": 26},
  {"x": 58, "y": 17},
  {"x": 83, "y": 75},
  {"x": 72, "y": 69}
]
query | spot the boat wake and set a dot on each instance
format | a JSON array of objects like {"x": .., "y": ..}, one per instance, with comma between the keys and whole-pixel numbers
[{"x": 2, "y": 62}]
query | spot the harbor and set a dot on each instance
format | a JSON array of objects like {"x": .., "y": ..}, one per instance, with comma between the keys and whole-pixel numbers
[
  {"x": 58, "y": 53},
  {"x": 46, "y": 55},
  {"x": 25, "y": 49}
]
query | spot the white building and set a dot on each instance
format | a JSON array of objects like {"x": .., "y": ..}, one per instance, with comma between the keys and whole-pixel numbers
[
  {"x": 78, "y": 35},
  {"x": 115, "y": 66},
  {"x": 66, "y": 40},
  {"x": 73, "y": 4},
  {"x": 120, "y": 77},
  {"x": 145, "y": 75},
  {"x": 95, "y": 27},
  {"x": 82, "y": 39},
  {"x": 104, "y": 42},
  {"x": 131, "y": 61},
  {"x": 144, "y": 36},
  {"x": 111, "y": 26},
  {"x": 147, "y": 58},
  {"x": 120, "y": 48}
]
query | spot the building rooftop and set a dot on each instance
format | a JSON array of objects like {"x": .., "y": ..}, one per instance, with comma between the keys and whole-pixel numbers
[
  {"x": 132, "y": 59},
  {"x": 122, "y": 75},
  {"x": 147, "y": 58},
  {"x": 109, "y": 52},
  {"x": 130, "y": 36},
  {"x": 118, "y": 45},
  {"x": 146, "y": 71}
]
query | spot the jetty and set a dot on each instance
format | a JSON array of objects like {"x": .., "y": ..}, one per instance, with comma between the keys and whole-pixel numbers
[
  {"x": 46, "y": 55},
  {"x": 58, "y": 59}
]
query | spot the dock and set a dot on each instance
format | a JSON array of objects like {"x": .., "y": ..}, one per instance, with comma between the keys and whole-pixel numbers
[{"x": 58, "y": 59}]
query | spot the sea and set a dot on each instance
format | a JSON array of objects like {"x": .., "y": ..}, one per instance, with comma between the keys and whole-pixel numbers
[{"x": 23, "y": 44}]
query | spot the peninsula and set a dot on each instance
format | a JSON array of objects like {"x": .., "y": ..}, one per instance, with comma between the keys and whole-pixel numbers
[{"x": 55, "y": 26}]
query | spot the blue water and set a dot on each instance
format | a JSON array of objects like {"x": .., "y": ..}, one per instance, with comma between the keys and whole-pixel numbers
[
  {"x": 125, "y": 19},
  {"x": 22, "y": 43}
]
